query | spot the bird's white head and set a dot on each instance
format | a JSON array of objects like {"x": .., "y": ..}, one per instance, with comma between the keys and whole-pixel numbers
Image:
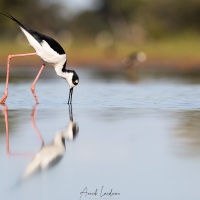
[
  {"x": 70, "y": 76},
  {"x": 74, "y": 80}
]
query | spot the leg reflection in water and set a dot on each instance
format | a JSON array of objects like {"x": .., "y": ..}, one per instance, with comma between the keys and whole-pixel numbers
[{"x": 8, "y": 150}]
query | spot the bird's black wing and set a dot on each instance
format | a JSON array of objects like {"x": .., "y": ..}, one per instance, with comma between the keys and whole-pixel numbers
[
  {"x": 38, "y": 36},
  {"x": 52, "y": 43}
]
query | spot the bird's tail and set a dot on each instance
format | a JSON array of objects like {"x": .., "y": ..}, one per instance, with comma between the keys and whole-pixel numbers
[{"x": 15, "y": 20}]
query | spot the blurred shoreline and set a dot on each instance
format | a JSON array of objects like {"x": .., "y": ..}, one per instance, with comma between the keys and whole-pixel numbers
[
  {"x": 174, "y": 53},
  {"x": 182, "y": 64}
]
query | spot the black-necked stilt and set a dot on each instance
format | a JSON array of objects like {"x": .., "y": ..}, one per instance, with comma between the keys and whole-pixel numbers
[
  {"x": 50, "y": 52},
  {"x": 131, "y": 64},
  {"x": 133, "y": 59}
]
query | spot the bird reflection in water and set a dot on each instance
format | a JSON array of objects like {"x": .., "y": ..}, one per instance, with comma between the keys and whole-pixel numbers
[{"x": 49, "y": 154}]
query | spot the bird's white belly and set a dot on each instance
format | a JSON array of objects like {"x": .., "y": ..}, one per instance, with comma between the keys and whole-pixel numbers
[{"x": 51, "y": 57}]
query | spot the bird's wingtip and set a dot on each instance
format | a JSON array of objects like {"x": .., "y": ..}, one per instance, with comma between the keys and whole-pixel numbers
[{"x": 12, "y": 18}]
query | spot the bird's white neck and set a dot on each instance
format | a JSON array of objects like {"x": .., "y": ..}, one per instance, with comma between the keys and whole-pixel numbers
[
  {"x": 59, "y": 72},
  {"x": 66, "y": 75}
]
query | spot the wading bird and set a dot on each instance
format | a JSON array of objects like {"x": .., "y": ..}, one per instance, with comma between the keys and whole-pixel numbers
[{"x": 50, "y": 52}]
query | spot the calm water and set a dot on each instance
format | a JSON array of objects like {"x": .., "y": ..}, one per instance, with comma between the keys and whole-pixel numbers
[{"x": 139, "y": 136}]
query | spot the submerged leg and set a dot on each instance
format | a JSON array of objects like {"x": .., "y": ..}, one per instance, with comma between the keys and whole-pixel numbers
[
  {"x": 2, "y": 101},
  {"x": 34, "y": 82}
]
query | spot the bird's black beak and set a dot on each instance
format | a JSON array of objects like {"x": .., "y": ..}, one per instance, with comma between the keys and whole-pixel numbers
[{"x": 70, "y": 96}]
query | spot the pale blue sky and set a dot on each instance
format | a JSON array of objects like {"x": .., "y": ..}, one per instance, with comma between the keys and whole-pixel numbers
[{"x": 78, "y": 5}]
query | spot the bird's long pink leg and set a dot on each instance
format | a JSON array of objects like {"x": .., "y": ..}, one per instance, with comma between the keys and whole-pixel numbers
[
  {"x": 5, "y": 111},
  {"x": 34, "y": 82},
  {"x": 2, "y": 101}
]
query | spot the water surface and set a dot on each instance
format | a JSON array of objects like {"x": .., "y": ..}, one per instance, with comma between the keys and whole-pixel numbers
[{"x": 139, "y": 136}]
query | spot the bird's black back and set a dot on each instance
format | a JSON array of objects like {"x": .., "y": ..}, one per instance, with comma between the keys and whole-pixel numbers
[
  {"x": 52, "y": 43},
  {"x": 39, "y": 36}
]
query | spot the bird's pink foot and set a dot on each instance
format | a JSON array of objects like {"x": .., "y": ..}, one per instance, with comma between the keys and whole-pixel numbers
[{"x": 3, "y": 100}]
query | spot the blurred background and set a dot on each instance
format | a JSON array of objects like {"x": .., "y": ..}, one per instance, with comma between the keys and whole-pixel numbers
[
  {"x": 109, "y": 33},
  {"x": 137, "y": 104}
]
